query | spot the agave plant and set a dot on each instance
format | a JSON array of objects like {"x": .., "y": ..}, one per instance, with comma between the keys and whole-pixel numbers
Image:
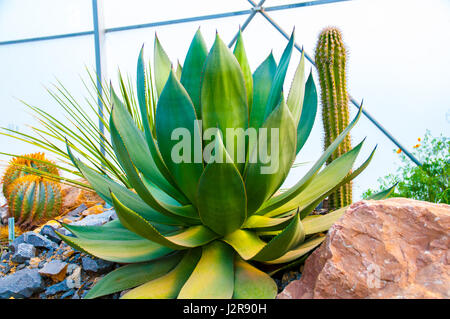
[{"x": 202, "y": 227}]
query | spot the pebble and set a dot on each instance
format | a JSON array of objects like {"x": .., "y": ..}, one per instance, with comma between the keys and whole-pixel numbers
[
  {"x": 21, "y": 284},
  {"x": 54, "y": 269},
  {"x": 39, "y": 241},
  {"x": 23, "y": 252},
  {"x": 98, "y": 266},
  {"x": 56, "y": 288}
]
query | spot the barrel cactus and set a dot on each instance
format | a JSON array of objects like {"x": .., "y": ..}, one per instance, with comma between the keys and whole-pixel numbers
[
  {"x": 330, "y": 59},
  {"x": 202, "y": 214},
  {"x": 33, "y": 200},
  {"x": 15, "y": 168}
]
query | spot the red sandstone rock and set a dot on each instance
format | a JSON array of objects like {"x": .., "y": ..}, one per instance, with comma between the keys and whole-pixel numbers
[{"x": 394, "y": 248}]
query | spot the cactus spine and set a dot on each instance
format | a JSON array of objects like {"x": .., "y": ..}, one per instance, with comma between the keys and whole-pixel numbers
[
  {"x": 330, "y": 59},
  {"x": 14, "y": 171},
  {"x": 33, "y": 200}
]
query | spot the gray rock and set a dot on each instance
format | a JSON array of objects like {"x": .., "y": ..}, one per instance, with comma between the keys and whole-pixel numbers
[
  {"x": 39, "y": 241},
  {"x": 21, "y": 284},
  {"x": 77, "y": 211},
  {"x": 97, "y": 220},
  {"x": 23, "y": 252},
  {"x": 97, "y": 266},
  {"x": 53, "y": 268},
  {"x": 18, "y": 240},
  {"x": 57, "y": 288},
  {"x": 49, "y": 232},
  {"x": 71, "y": 268},
  {"x": 74, "y": 280}
]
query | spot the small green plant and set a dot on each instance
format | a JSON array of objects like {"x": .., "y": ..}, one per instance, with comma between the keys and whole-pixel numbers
[
  {"x": 429, "y": 182},
  {"x": 202, "y": 226},
  {"x": 331, "y": 57}
]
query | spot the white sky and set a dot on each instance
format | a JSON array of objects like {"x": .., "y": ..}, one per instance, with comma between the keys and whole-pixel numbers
[{"x": 399, "y": 59}]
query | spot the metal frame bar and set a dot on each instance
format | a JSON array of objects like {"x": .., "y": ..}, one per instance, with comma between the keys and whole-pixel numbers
[
  {"x": 99, "y": 38},
  {"x": 99, "y": 32}
]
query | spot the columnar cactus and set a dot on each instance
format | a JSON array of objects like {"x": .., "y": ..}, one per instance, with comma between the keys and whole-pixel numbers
[
  {"x": 331, "y": 62},
  {"x": 14, "y": 171},
  {"x": 33, "y": 200}
]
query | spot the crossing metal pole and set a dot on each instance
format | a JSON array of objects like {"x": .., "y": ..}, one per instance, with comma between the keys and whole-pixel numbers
[{"x": 352, "y": 100}]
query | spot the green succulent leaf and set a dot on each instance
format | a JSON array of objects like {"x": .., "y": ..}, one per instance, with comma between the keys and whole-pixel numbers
[
  {"x": 104, "y": 185},
  {"x": 297, "y": 91},
  {"x": 213, "y": 277},
  {"x": 133, "y": 275},
  {"x": 162, "y": 66},
  {"x": 291, "y": 236},
  {"x": 246, "y": 243},
  {"x": 280, "y": 200},
  {"x": 221, "y": 198},
  {"x": 186, "y": 214},
  {"x": 187, "y": 238},
  {"x": 316, "y": 224},
  {"x": 262, "y": 82},
  {"x": 192, "y": 70},
  {"x": 176, "y": 112},
  {"x": 241, "y": 56},
  {"x": 308, "y": 113},
  {"x": 262, "y": 180},
  {"x": 121, "y": 251},
  {"x": 142, "y": 94},
  {"x": 252, "y": 283},
  {"x": 277, "y": 85},
  {"x": 169, "y": 285},
  {"x": 299, "y": 251},
  {"x": 138, "y": 150},
  {"x": 323, "y": 183},
  {"x": 224, "y": 99},
  {"x": 264, "y": 223}
]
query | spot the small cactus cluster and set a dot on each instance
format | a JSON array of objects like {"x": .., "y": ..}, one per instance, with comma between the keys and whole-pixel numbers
[
  {"x": 31, "y": 199},
  {"x": 330, "y": 59}
]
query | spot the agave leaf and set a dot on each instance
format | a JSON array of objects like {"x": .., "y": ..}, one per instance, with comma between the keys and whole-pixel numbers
[
  {"x": 187, "y": 238},
  {"x": 249, "y": 246},
  {"x": 143, "y": 98},
  {"x": 169, "y": 285},
  {"x": 104, "y": 185},
  {"x": 299, "y": 251},
  {"x": 138, "y": 150},
  {"x": 263, "y": 223},
  {"x": 262, "y": 82},
  {"x": 323, "y": 183},
  {"x": 223, "y": 98},
  {"x": 213, "y": 277},
  {"x": 252, "y": 283},
  {"x": 308, "y": 113},
  {"x": 297, "y": 91},
  {"x": 383, "y": 194},
  {"x": 176, "y": 112},
  {"x": 179, "y": 70},
  {"x": 291, "y": 236},
  {"x": 278, "y": 81},
  {"x": 121, "y": 251},
  {"x": 186, "y": 214},
  {"x": 133, "y": 275},
  {"x": 162, "y": 66},
  {"x": 241, "y": 56},
  {"x": 263, "y": 179},
  {"x": 278, "y": 201},
  {"x": 192, "y": 70},
  {"x": 221, "y": 198}
]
